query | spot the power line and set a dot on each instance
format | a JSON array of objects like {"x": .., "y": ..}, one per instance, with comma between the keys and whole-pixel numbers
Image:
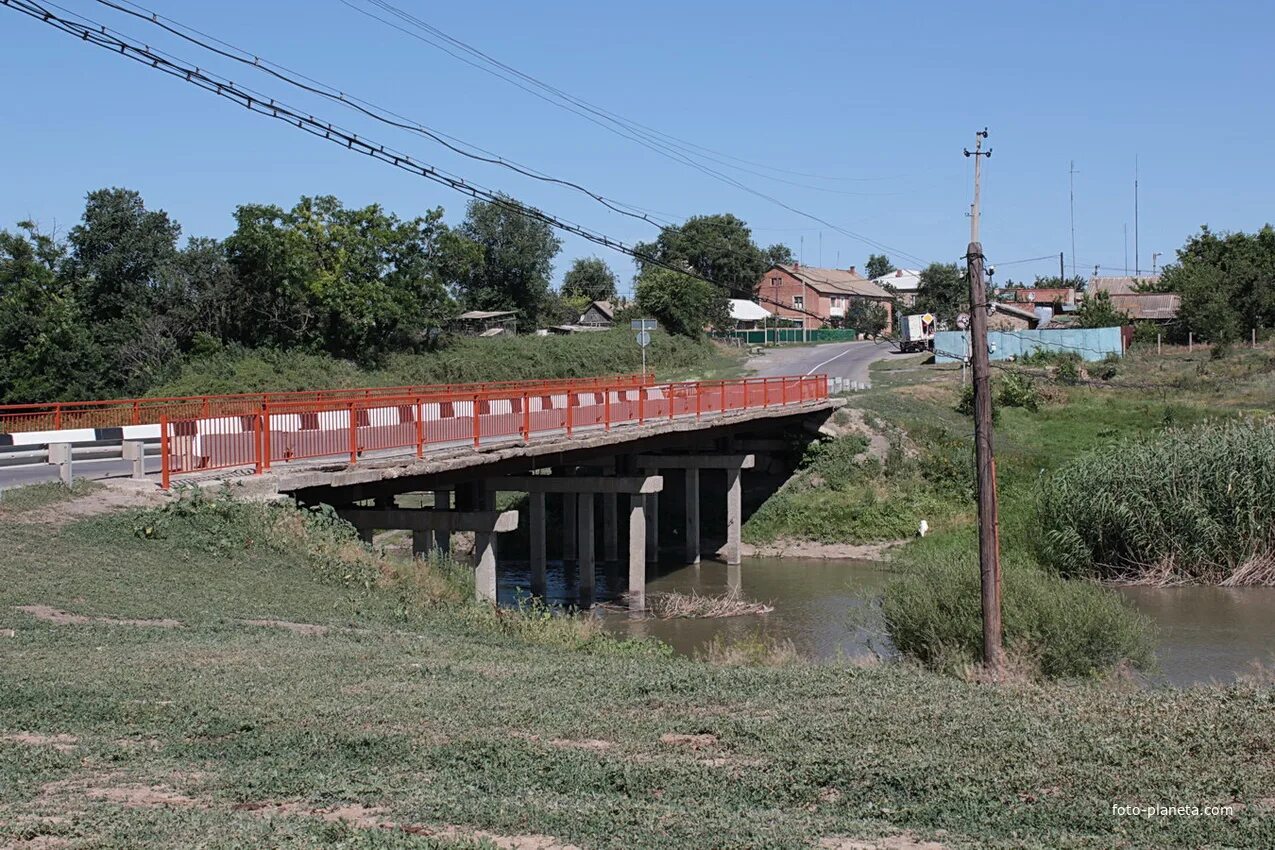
[
  {"x": 504, "y": 68},
  {"x": 617, "y": 126},
  {"x": 261, "y": 104},
  {"x": 365, "y": 107}
]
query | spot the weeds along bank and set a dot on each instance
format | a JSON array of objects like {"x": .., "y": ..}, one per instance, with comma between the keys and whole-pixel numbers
[
  {"x": 462, "y": 359},
  {"x": 225, "y": 674}
]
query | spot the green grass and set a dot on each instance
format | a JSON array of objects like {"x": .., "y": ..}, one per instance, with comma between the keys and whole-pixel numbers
[
  {"x": 463, "y": 359},
  {"x": 439, "y": 712}
]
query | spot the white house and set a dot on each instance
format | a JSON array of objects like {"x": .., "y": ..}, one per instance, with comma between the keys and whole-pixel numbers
[{"x": 904, "y": 281}]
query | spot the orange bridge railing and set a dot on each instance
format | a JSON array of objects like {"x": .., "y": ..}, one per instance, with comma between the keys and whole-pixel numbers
[{"x": 280, "y": 430}]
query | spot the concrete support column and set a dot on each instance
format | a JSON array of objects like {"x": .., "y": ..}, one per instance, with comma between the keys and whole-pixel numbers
[
  {"x": 569, "y": 532},
  {"x": 734, "y": 579},
  {"x": 485, "y": 566},
  {"x": 734, "y": 515},
  {"x": 586, "y": 548},
  {"x": 60, "y": 454},
  {"x": 653, "y": 527},
  {"x": 443, "y": 539},
  {"x": 536, "y": 518},
  {"x": 637, "y": 552},
  {"x": 610, "y": 531},
  {"x": 692, "y": 516}
]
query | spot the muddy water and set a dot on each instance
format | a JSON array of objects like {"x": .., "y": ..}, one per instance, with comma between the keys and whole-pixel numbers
[{"x": 827, "y": 609}]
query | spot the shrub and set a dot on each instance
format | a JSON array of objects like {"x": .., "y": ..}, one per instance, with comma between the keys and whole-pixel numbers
[
  {"x": 1018, "y": 390},
  {"x": 1193, "y": 504},
  {"x": 1068, "y": 370},
  {"x": 1055, "y": 627},
  {"x": 965, "y": 403},
  {"x": 1108, "y": 368}
]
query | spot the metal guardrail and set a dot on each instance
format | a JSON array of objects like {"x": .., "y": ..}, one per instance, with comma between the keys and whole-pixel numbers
[{"x": 65, "y": 456}]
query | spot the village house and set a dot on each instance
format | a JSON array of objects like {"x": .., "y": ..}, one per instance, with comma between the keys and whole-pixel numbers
[
  {"x": 1012, "y": 317},
  {"x": 1127, "y": 297},
  {"x": 818, "y": 297},
  {"x": 598, "y": 314},
  {"x": 904, "y": 283}
]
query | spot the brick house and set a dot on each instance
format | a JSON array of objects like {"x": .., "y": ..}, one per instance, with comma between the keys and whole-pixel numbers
[{"x": 818, "y": 296}]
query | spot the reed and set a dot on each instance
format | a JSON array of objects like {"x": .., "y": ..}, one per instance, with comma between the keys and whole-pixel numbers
[{"x": 1189, "y": 505}]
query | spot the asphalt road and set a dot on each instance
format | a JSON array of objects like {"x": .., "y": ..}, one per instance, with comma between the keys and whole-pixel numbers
[{"x": 849, "y": 360}]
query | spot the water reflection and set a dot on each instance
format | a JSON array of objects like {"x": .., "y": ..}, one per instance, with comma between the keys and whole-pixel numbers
[{"x": 828, "y": 610}]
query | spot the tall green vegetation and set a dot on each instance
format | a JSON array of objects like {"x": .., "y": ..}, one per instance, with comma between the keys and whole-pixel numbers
[
  {"x": 1227, "y": 283},
  {"x": 942, "y": 291},
  {"x": 1188, "y": 504},
  {"x": 878, "y": 265},
  {"x": 1097, "y": 311},
  {"x": 514, "y": 262},
  {"x": 1053, "y": 627}
]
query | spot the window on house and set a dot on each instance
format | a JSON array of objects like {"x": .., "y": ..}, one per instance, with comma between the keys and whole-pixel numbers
[
  {"x": 799, "y": 302},
  {"x": 776, "y": 280}
]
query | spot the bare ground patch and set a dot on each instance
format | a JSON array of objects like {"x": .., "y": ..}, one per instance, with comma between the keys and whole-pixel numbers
[
  {"x": 63, "y": 743},
  {"x": 592, "y": 744},
  {"x": 790, "y": 548},
  {"x": 49, "y": 614},
  {"x": 373, "y": 817},
  {"x": 113, "y": 495},
  {"x": 694, "y": 742},
  {"x": 287, "y": 625},
  {"x": 902, "y": 841}
]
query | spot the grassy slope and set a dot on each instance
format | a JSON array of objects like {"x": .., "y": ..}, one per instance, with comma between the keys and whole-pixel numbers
[
  {"x": 440, "y": 716},
  {"x": 463, "y": 360},
  {"x": 1147, "y": 393}
]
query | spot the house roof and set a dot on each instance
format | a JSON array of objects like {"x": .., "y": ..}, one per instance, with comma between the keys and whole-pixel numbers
[
  {"x": 1014, "y": 310},
  {"x": 835, "y": 281},
  {"x": 1123, "y": 285},
  {"x": 904, "y": 280},
  {"x": 485, "y": 314},
  {"x": 1148, "y": 305},
  {"x": 603, "y": 307},
  {"x": 742, "y": 310},
  {"x": 1042, "y": 295}
]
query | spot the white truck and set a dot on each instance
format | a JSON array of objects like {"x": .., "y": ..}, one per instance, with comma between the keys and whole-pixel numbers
[{"x": 916, "y": 332}]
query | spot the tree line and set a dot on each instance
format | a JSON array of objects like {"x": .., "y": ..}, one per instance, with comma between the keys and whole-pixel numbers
[{"x": 114, "y": 306}]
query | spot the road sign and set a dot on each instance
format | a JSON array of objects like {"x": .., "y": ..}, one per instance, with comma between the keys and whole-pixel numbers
[
  {"x": 644, "y": 324},
  {"x": 643, "y": 338}
]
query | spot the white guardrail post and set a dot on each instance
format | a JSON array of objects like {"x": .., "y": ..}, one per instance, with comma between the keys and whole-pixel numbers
[{"x": 60, "y": 454}]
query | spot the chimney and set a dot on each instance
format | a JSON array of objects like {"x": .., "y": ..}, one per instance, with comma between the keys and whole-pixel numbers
[
  {"x": 898, "y": 272},
  {"x": 852, "y": 270}
]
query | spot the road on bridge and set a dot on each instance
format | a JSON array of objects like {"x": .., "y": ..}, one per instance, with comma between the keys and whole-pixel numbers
[{"x": 848, "y": 360}]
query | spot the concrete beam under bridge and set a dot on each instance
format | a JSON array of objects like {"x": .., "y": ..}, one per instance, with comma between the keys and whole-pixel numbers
[
  {"x": 697, "y": 461},
  {"x": 485, "y": 525},
  {"x": 581, "y": 484}
]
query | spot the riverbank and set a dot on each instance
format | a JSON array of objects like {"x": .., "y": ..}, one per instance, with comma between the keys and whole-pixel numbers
[
  {"x": 203, "y": 675},
  {"x": 849, "y": 491}
]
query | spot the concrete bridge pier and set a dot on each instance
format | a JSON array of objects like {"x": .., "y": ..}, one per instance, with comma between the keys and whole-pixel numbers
[
  {"x": 536, "y": 546},
  {"x": 692, "y": 464},
  {"x": 585, "y": 488},
  {"x": 485, "y": 524}
]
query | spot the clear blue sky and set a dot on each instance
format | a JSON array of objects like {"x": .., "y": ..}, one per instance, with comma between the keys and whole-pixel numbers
[{"x": 886, "y": 92}]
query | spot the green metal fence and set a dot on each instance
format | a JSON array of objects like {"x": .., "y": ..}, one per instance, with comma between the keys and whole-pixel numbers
[{"x": 777, "y": 336}]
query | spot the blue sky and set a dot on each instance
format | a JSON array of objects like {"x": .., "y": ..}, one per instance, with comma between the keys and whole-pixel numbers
[{"x": 886, "y": 94}]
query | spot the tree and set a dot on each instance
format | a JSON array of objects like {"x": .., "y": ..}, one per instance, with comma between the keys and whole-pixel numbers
[
  {"x": 515, "y": 259},
  {"x": 47, "y": 350},
  {"x": 682, "y": 304},
  {"x": 1227, "y": 283},
  {"x": 1096, "y": 311},
  {"x": 719, "y": 248},
  {"x": 878, "y": 265},
  {"x": 1076, "y": 282},
  {"x": 356, "y": 283},
  {"x": 779, "y": 255},
  {"x": 943, "y": 291},
  {"x": 590, "y": 278},
  {"x": 865, "y": 316}
]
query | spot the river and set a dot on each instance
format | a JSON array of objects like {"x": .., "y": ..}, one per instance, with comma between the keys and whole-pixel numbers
[{"x": 827, "y": 609}]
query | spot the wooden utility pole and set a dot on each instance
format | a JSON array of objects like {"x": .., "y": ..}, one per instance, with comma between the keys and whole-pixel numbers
[{"x": 989, "y": 557}]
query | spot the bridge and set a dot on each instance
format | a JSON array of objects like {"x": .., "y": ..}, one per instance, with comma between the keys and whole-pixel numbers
[{"x": 595, "y": 453}]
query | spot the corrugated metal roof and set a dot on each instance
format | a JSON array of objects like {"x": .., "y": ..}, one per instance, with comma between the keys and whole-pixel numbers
[
  {"x": 904, "y": 280},
  {"x": 1148, "y": 305},
  {"x": 1123, "y": 285}
]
